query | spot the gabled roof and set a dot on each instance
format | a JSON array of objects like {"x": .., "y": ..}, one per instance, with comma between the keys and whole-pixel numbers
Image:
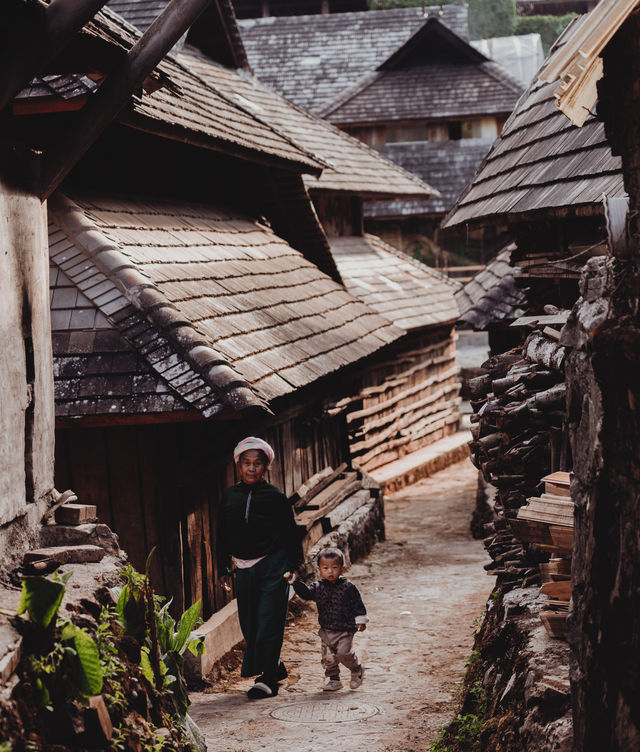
[
  {"x": 312, "y": 60},
  {"x": 403, "y": 290},
  {"x": 435, "y": 90},
  {"x": 220, "y": 311},
  {"x": 541, "y": 162},
  {"x": 350, "y": 166},
  {"x": 492, "y": 296},
  {"x": 216, "y": 27},
  {"x": 448, "y": 165}
]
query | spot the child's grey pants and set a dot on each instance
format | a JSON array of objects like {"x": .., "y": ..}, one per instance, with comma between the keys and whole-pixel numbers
[{"x": 337, "y": 648}]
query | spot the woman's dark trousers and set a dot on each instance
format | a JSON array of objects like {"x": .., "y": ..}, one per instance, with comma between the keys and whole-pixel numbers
[{"x": 263, "y": 596}]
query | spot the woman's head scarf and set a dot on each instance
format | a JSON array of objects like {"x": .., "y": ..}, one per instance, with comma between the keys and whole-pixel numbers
[{"x": 252, "y": 442}]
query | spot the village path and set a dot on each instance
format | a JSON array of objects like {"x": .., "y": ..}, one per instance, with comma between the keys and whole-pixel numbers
[{"x": 424, "y": 587}]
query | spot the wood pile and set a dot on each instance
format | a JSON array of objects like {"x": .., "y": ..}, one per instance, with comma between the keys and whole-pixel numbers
[
  {"x": 517, "y": 428},
  {"x": 329, "y": 498},
  {"x": 547, "y": 523}
]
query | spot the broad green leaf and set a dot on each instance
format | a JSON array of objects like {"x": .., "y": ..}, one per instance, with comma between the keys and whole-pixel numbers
[
  {"x": 195, "y": 643},
  {"x": 87, "y": 662},
  {"x": 185, "y": 627},
  {"x": 145, "y": 665},
  {"x": 41, "y": 598}
]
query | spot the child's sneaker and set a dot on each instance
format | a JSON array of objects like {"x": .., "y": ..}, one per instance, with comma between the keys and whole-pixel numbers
[
  {"x": 356, "y": 678},
  {"x": 332, "y": 685}
]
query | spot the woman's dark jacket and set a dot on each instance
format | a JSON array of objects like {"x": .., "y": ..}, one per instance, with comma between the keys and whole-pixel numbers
[{"x": 262, "y": 527}]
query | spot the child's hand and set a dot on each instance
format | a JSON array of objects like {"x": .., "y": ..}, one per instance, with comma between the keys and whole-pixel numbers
[
  {"x": 361, "y": 627},
  {"x": 288, "y": 576}
]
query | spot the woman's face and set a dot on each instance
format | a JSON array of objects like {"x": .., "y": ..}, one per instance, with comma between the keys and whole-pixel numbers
[{"x": 252, "y": 466}]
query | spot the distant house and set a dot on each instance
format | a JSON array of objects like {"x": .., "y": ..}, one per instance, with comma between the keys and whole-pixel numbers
[
  {"x": 405, "y": 81},
  {"x": 545, "y": 178},
  {"x": 255, "y": 8}
]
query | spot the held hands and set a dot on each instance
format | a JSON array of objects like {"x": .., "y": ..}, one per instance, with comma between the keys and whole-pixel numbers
[{"x": 289, "y": 577}]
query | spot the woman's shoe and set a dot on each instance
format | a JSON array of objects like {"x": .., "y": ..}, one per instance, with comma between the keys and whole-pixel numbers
[{"x": 262, "y": 690}]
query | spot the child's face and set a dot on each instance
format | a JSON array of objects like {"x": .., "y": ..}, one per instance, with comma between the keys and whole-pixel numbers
[
  {"x": 330, "y": 569},
  {"x": 251, "y": 466}
]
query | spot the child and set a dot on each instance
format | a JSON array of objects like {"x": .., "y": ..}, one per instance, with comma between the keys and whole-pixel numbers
[{"x": 341, "y": 614}]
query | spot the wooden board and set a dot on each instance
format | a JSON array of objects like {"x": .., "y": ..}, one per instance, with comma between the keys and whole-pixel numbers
[
  {"x": 557, "y": 483},
  {"x": 555, "y": 623},
  {"x": 329, "y": 499},
  {"x": 562, "y": 538},
  {"x": 317, "y": 483},
  {"x": 560, "y": 591}
]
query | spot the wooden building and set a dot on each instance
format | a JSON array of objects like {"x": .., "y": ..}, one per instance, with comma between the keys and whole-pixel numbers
[
  {"x": 255, "y": 8},
  {"x": 195, "y": 300},
  {"x": 565, "y": 180},
  {"x": 405, "y": 81}
]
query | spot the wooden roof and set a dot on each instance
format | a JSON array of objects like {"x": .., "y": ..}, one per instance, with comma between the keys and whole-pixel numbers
[
  {"x": 349, "y": 165},
  {"x": 448, "y": 165},
  {"x": 403, "y": 290},
  {"x": 541, "y": 162},
  {"x": 435, "y": 75},
  {"x": 314, "y": 59},
  {"x": 492, "y": 296},
  {"x": 216, "y": 305},
  {"x": 186, "y": 109}
]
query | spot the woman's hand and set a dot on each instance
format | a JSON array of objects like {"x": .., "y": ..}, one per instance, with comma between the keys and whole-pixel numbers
[
  {"x": 225, "y": 581},
  {"x": 290, "y": 577}
]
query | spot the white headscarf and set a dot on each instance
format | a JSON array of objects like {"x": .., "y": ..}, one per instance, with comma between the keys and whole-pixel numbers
[{"x": 253, "y": 442}]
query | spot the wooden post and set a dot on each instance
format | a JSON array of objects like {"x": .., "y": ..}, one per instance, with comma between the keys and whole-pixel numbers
[
  {"x": 33, "y": 50},
  {"x": 115, "y": 92}
]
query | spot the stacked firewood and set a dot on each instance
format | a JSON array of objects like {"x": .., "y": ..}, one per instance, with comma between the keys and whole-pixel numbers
[{"x": 518, "y": 415}]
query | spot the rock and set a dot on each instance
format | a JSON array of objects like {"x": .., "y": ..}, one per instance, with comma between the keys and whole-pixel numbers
[
  {"x": 66, "y": 554},
  {"x": 95, "y": 534}
]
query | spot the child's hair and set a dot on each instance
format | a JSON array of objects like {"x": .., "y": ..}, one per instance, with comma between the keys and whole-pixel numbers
[{"x": 330, "y": 553}]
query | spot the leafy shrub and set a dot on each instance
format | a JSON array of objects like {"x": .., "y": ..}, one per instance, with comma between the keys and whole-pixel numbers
[{"x": 549, "y": 27}]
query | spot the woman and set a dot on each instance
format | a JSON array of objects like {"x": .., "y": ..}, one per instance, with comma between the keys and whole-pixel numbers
[{"x": 258, "y": 532}]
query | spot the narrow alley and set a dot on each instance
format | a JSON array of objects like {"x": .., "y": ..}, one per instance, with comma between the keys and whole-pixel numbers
[{"x": 424, "y": 588}]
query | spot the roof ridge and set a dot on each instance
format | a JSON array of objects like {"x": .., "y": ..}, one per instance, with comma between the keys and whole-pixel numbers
[{"x": 145, "y": 297}]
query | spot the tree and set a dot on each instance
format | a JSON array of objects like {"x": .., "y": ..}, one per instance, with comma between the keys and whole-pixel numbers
[
  {"x": 491, "y": 18},
  {"x": 549, "y": 27}
]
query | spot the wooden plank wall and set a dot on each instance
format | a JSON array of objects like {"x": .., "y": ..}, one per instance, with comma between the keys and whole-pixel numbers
[
  {"x": 407, "y": 402},
  {"x": 161, "y": 486}
]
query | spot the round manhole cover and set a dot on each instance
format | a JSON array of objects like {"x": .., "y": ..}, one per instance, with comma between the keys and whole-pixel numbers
[{"x": 323, "y": 712}]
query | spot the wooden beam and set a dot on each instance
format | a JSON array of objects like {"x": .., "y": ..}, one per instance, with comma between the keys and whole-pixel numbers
[
  {"x": 41, "y": 41},
  {"x": 117, "y": 89}
]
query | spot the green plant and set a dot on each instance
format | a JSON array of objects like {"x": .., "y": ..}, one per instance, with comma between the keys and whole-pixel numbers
[
  {"x": 65, "y": 660},
  {"x": 491, "y": 18},
  {"x": 549, "y": 27},
  {"x": 163, "y": 640}
]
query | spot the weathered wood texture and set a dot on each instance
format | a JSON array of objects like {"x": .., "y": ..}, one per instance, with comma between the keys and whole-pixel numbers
[
  {"x": 406, "y": 402},
  {"x": 161, "y": 486},
  {"x": 26, "y": 414},
  {"x": 604, "y": 395}
]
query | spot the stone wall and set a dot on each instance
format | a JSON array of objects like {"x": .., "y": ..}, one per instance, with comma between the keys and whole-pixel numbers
[{"x": 604, "y": 412}]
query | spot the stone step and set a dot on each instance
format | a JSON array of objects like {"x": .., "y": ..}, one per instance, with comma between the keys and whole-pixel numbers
[
  {"x": 94, "y": 534},
  {"x": 76, "y": 514},
  {"x": 66, "y": 554}
]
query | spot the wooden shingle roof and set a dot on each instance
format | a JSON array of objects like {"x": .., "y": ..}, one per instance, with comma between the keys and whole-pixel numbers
[
  {"x": 186, "y": 109},
  {"x": 448, "y": 165},
  {"x": 349, "y": 165},
  {"x": 225, "y": 311},
  {"x": 313, "y": 60},
  {"x": 406, "y": 292},
  {"x": 539, "y": 162},
  {"x": 436, "y": 75},
  {"x": 492, "y": 296}
]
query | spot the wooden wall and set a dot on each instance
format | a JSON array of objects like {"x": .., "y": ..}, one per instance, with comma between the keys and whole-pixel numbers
[
  {"x": 161, "y": 486},
  {"x": 407, "y": 401}
]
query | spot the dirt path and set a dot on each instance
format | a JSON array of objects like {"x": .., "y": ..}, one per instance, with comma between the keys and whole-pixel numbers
[{"x": 423, "y": 587}]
